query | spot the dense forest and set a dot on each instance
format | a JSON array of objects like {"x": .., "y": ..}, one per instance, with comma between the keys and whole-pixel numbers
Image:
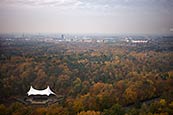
[{"x": 94, "y": 78}]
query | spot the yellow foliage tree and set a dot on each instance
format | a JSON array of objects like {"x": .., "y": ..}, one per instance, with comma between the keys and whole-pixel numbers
[{"x": 89, "y": 113}]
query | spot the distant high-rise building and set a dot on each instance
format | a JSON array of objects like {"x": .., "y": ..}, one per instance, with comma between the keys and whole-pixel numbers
[{"x": 62, "y": 36}]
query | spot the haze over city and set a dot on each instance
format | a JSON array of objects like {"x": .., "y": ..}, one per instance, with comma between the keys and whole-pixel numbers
[{"x": 87, "y": 16}]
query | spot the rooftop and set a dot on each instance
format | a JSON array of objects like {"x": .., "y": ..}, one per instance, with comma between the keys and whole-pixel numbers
[{"x": 46, "y": 91}]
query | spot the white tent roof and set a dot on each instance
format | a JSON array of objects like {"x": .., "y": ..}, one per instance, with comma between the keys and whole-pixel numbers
[{"x": 46, "y": 91}]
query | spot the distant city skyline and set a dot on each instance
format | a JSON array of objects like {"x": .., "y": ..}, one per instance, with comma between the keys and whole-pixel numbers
[{"x": 87, "y": 16}]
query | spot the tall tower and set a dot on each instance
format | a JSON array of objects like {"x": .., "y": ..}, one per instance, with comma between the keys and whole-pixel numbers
[{"x": 62, "y": 36}]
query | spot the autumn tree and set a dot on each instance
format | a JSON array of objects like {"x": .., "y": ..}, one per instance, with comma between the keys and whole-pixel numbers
[
  {"x": 89, "y": 113},
  {"x": 115, "y": 110}
]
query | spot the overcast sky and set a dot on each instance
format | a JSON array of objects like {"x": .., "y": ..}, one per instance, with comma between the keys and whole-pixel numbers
[{"x": 87, "y": 16}]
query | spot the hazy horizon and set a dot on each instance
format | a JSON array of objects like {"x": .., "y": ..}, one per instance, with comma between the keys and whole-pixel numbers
[{"x": 87, "y": 16}]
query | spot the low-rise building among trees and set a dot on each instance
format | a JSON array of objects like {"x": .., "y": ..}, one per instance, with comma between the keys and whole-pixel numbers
[{"x": 45, "y": 96}]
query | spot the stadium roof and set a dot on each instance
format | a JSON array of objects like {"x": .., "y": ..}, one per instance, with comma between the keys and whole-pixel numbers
[{"x": 46, "y": 91}]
